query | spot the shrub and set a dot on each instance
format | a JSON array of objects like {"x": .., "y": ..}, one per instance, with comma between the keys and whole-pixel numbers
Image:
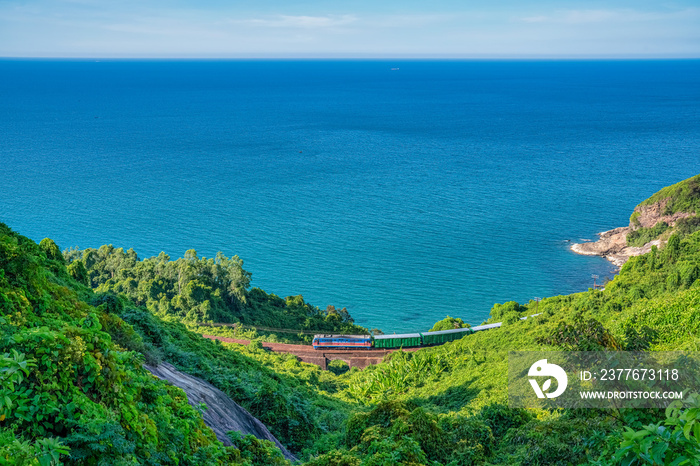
[
  {"x": 639, "y": 340},
  {"x": 335, "y": 458},
  {"x": 674, "y": 441},
  {"x": 501, "y": 418},
  {"x": 642, "y": 236},
  {"x": 338, "y": 367},
  {"x": 51, "y": 250},
  {"x": 688, "y": 225},
  {"x": 78, "y": 272},
  {"x": 448, "y": 323},
  {"x": 501, "y": 312},
  {"x": 581, "y": 335},
  {"x": 257, "y": 452}
]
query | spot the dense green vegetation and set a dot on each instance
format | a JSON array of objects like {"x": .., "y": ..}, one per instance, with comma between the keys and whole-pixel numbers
[
  {"x": 67, "y": 388},
  {"x": 642, "y": 236},
  {"x": 199, "y": 290},
  {"x": 76, "y": 329},
  {"x": 449, "y": 323},
  {"x": 72, "y": 381}
]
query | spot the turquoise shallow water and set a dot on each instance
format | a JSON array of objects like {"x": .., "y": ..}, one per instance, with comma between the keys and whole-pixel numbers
[{"x": 405, "y": 195}]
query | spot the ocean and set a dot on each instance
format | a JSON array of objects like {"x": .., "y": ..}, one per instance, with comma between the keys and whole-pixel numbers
[{"x": 403, "y": 190}]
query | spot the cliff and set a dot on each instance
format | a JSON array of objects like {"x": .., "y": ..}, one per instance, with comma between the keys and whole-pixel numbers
[{"x": 668, "y": 206}]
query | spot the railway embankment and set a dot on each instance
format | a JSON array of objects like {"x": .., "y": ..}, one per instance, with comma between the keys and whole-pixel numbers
[{"x": 354, "y": 358}]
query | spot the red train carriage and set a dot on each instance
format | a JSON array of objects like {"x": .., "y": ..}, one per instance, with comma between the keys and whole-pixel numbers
[{"x": 342, "y": 341}]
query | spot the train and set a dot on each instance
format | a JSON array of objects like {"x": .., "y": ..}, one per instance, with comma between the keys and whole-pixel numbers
[{"x": 404, "y": 340}]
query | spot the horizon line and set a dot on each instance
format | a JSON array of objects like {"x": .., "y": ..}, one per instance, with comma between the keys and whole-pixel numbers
[{"x": 363, "y": 57}]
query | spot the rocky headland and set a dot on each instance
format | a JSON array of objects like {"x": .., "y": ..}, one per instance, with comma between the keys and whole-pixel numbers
[{"x": 612, "y": 244}]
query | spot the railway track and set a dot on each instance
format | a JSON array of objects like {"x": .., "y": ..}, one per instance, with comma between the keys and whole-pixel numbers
[
  {"x": 354, "y": 358},
  {"x": 306, "y": 353}
]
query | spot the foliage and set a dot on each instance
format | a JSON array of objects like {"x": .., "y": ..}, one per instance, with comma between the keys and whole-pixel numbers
[
  {"x": 402, "y": 371},
  {"x": 449, "y": 323},
  {"x": 335, "y": 458},
  {"x": 672, "y": 442},
  {"x": 51, "y": 250},
  {"x": 581, "y": 335},
  {"x": 68, "y": 388},
  {"x": 507, "y": 312},
  {"x": 641, "y": 236},
  {"x": 403, "y": 433},
  {"x": 338, "y": 367},
  {"x": 199, "y": 290},
  {"x": 44, "y": 452},
  {"x": 13, "y": 370},
  {"x": 634, "y": 218},
  {"x": 78, "y": 272},
  {"x": 501, "y": 419},
  {"x": 254, "y": 451},
  {"x": 639, "y": 339},
  {"x": 688, "y": 225},
  {"x": 556, "y": 440}
]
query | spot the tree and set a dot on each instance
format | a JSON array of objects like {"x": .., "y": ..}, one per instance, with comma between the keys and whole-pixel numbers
[
  {"x": 51, "y": 250},
  {"x": 79, "y": 273},
  {"x": 449, "y": 323}
]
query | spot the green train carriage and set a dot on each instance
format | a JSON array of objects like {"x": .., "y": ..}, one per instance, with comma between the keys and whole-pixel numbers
[
  {"x": 404, "y": 340},
  {"x": 443, "y": 336}
]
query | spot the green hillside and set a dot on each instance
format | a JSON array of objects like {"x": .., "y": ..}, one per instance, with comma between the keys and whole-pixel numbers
[
  {"x": 73, "y": 389},
  {"x": 680, "y": 198},
  {"x": 75, "y": 330},
  {"x": 683, "y": 196}
]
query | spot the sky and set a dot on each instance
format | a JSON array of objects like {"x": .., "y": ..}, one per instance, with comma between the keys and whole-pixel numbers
[{"x": 349, "y": 29}]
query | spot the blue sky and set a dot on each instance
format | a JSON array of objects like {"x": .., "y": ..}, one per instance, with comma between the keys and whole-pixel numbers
[{"x": 350, "y": 28}]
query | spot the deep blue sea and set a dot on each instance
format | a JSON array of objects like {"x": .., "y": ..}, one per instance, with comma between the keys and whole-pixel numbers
[{"x": 438, "y": 188}]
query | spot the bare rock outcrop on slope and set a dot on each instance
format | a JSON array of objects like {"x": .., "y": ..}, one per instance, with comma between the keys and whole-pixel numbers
[
  {"x": 650, "y": 215},
  {"x": 222, "y": 413}
]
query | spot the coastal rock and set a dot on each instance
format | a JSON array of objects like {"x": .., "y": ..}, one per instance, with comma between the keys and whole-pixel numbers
[
  {"x": 609, "y": 242},
  {"x": 650, "y": 215},
  {"x": 613, "y": 246},
  {"x": 222, "y": 413}
]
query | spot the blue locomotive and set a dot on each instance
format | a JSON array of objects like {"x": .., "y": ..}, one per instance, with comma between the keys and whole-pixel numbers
[{"x": 342, "y": 341}]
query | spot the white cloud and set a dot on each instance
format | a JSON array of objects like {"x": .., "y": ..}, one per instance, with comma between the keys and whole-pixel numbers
[
  {"x": 535, "y": 19},
  {"x": 411, "y": 21},
  {"x": 591, "y": 16},
  {"x": 302, "y": 22}
]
